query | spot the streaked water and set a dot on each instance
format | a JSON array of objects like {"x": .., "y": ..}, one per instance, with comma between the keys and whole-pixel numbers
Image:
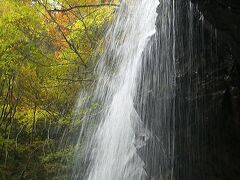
[
  {"x": 112, "y": 150},
  {"x": 145, "y": 118},
  {"x": 156, "y": 104}
]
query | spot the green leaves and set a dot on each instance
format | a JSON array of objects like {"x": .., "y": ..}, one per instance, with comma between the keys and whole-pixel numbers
[{"x": 41, "y": 72}]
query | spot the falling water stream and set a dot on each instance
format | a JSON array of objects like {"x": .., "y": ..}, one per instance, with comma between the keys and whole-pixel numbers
[
  {"x": 145, "y": 95},
  {"x": 113, "y": 152},
  {"x": 120, "y": 131}
]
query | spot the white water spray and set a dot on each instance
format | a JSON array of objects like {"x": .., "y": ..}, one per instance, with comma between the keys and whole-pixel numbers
[{"x": 113, "y": 147}]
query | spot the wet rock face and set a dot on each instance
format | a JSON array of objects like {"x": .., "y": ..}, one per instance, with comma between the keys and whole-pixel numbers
[
  {"x": 225, "y": 16},
  {"x": 199, "y": 136},
  {"x": 210, "y": 137}
]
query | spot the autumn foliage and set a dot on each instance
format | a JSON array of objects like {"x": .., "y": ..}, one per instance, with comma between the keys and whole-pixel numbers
[{"x": 46, "y": 56}]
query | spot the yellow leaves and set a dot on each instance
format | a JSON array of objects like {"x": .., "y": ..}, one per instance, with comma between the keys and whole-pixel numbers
[
  {"x": 42, "y": 69},
  {"x": 27, "y": 116}
]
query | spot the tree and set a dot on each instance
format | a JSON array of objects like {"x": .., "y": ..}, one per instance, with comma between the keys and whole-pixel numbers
[{"x": 46, "y": 56}]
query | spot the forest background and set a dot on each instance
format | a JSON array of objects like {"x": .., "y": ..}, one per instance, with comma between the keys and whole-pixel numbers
[{"x": 47, "y": 55}]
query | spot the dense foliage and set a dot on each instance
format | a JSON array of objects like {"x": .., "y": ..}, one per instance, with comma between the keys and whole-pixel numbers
[{"x": 46, "y": 57}]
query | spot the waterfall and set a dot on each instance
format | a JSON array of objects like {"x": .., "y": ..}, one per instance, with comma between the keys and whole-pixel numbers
[
  {"x": 149, "y": 119},
  {"x": 157, "y": 95},
  {"x": 112, "y": 149}
]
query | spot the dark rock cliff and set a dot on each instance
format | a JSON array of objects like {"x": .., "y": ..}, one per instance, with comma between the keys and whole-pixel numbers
[
  {"x": 224, "y": 15},
  {"x": 195, "y": 131},
  {"x": 208, "y": 95}
]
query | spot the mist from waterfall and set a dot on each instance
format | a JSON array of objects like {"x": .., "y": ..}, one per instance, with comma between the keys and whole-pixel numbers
[
  {"x": 112, "y": 149},
  {"x": 146, "y": 117}
]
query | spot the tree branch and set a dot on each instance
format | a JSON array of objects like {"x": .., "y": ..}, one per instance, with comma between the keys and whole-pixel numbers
[
  {"x": 65, "y": 38},
  {"x": 83, "y": 6}
]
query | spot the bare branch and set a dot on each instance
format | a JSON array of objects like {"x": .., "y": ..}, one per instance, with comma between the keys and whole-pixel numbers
[
  {"x": 83, "y": 6},
  {"x": 65, "y": 38}
]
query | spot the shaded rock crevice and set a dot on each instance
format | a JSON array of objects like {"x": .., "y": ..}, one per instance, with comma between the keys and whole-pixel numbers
[{"x": 224, "y": 15}]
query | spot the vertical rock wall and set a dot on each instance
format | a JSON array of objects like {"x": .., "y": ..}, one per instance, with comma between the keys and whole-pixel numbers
[
  {"x": 205, "y": 129},
  {"x": 208, "y": 91}
]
